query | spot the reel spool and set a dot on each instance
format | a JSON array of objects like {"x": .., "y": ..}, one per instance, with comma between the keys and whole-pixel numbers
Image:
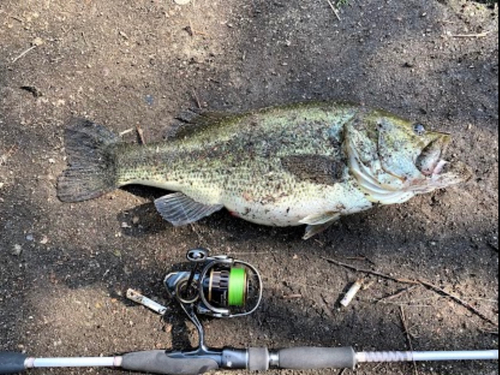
[{"x": 218, "y": 286}]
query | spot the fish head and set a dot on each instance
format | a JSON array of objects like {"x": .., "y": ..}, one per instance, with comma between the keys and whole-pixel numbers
[{"x": 395, "y": 158}]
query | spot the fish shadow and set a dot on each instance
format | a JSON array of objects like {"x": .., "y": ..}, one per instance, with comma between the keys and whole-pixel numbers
[{"x": 144, "y": 220}]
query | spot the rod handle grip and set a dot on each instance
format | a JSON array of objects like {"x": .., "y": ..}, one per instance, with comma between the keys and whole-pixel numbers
[
  {"x": 12, "y": 362},
  {"x": 159, "y": 362},
  {"x": 307, "y": 357}
]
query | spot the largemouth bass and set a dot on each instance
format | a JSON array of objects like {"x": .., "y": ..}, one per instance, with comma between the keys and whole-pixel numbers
[{"x": 306, "y": 163}]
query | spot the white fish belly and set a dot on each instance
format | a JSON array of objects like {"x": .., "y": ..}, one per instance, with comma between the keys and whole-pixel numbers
[{"x": 341, "y": 199}]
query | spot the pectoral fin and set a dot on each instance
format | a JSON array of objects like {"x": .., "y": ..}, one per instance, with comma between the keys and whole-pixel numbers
[{"x": 179, "y": 209}]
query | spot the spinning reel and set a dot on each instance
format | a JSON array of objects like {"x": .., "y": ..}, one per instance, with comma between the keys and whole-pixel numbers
[{"x": 218, "y": 286}]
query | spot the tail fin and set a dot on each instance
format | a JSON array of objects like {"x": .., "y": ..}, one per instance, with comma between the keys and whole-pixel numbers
[{"x": 91, "y": 158}]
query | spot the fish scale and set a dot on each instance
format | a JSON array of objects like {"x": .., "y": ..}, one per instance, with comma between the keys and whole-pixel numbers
[
  {"x": 227, "y": 167},
  {"x": 306, "y": 163}
]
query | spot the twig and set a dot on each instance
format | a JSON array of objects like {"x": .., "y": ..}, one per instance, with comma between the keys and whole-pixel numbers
[
  {"x": 479, "y": 35},
  {"x": 192, "y": 32},
  {"x": 489, "y": 332},
  {"x": 84, "y": 39},
  {"x": 492, "y": 246},
  {"x": 198, "y": 103},
  {"x": 140, "y": 133},
  {"x": 318, "y": 242},
  {"x": 334, "y": 9},
  {"x": 457, "y": 300},
  {"x": 17, "y": 19},
  {"x": 23, "y": 53},
  {"x": 292, "y": 296},
  {"x": 35, "y": 43},
  {"x": 327, "y": 308},
  {"x": 201, "y": 238},
  {"x": 425, "y": 283},
  {"x": 8, "y": 154},
  {"x": 361, "y": 257},
  {"x": 375, "y": 273},
  {"x": 408, "y": 338},
  {"x": 189, "y": 29},
  {"x": 121, "y": 134},
  {"x": 397, "y": 294}
]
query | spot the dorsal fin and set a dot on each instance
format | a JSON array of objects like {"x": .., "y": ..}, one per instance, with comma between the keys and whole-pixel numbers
[{"x": 196, "y": 120}]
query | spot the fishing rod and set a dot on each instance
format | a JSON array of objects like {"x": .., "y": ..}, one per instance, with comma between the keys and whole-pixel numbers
[{"x": 222, "y": 287}]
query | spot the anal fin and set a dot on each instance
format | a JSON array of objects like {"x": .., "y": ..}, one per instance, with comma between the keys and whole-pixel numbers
[{"x": 179, "y": 209}]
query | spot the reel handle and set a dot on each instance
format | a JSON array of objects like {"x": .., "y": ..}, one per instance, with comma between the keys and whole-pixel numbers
[{"x": 198, "y": 255}]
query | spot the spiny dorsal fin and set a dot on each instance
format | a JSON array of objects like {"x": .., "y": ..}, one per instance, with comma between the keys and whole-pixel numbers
[{"x": 197, "y": 120}]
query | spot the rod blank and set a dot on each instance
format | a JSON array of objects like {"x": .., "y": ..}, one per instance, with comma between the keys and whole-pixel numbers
[
  {"x": 427, "y": 356},
  {"x": 73, "y": 362}
]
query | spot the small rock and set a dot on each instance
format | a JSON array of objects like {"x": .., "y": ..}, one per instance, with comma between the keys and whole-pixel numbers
[
  {"x": 149, "y": 99},
  {"x": 167, "y": 328},
  {"x": 135, "y": 219},
  {"x": 37, "y": 42},
  {"x": 30, "y": 237},
  {"x": 17, "y": 250}
]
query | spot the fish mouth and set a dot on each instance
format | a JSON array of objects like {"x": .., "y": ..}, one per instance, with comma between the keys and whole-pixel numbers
[
  {"x": 438, "y": 173},
  {"x": 430, "y": 161}
]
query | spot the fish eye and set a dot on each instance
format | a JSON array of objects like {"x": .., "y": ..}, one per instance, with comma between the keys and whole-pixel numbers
[{"x": 419, "y": 129}]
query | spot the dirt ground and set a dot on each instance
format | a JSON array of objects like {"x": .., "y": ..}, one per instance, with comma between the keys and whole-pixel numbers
[{"x": 64, "y": 267}]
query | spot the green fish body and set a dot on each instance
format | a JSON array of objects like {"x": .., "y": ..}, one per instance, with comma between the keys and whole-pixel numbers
[{"x": 307, "y": 163}]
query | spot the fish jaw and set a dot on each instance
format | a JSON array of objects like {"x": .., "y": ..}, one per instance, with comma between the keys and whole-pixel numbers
[
  {"x": 429, "y": 161},
  {"x": 437, "y": 172},
  {"x": 445, "y": 174}
]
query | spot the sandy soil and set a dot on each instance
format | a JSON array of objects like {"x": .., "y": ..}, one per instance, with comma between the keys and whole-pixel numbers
[{"x": 64, "y": 268}]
